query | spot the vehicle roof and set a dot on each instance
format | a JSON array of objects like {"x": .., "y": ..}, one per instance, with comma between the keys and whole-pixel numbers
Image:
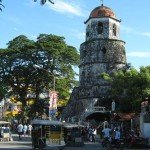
[
  {"x": 4, "y": 122},
  {"x": 69, "y": 125},
  {"x": 45, "y": 122}
]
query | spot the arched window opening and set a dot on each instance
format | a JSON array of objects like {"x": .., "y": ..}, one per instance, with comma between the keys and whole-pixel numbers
[
  {"x": 87, "y": 34},
  {"x": 114, "y": 29},
  {"x": 83, "y": 73},
  {"x": 100, "y": 28},
  {"x": 104, "y": 50}
]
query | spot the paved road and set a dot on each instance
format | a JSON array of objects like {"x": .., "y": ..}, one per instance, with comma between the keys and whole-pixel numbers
[
  {"x": 25, "y": 144},
  {"x": 88, "y": 146}
]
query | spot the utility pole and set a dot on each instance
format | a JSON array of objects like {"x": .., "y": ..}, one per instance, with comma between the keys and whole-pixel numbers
[{"x": 52, "y": 96}]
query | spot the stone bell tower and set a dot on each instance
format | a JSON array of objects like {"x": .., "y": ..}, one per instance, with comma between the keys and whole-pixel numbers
[{"x": 102, "y": 52}]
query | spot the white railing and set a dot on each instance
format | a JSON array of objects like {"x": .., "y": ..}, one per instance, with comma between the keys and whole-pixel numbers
[
  {"x": 96, "y": 109},
  {"x": 99, "y": 109}
]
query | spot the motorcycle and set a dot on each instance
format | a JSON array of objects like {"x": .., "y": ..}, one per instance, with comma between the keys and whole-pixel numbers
[
  {"x": 119, "y": 144},
  {"x": 111, "y": 144}
]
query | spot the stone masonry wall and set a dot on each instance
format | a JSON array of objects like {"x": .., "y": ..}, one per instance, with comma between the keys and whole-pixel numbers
[{"x": 98, "y": 56}]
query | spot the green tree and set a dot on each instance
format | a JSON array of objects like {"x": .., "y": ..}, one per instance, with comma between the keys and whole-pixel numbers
[
  {"x": 60, "y": 59},
  {"x": 54, "y": 57},
  {"x": 129, "y": 87}
]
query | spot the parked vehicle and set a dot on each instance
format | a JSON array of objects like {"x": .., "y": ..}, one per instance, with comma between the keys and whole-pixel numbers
[
  {"x": 73, "y": 135},
  {"x": 134, "y": 142},
  {"x": 5, "y": 133},
  {"x": 111, "y": 144},
  {"x": 46, "y": 134},
  {"x": 119, "y": 144}
]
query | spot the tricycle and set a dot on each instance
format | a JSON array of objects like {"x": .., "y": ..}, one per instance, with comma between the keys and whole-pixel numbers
[{"x": 47, "y": 134}]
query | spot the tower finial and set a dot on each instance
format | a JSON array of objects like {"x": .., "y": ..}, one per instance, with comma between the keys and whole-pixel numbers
[{"x": 102, "y": 2}]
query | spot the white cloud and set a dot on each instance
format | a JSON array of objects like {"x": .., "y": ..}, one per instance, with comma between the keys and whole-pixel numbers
[
  {"x": 127, "y": 29},
  {"x": 33, "y": 37},
  {"x": 131, "y": 30},
  {"x": 139, "y": 54},
  {"x": 80, "y": 35},
  {"x": 16, "y": 29},
  {"x": 14, "y": 19},
  {"x": 146, "y": 34},
  {"x": 64, "y": 7},
  {"x": 31, "y": 3}
]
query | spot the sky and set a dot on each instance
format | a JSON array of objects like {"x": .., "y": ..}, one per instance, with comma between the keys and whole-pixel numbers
[{"x": 66, "y": 18}]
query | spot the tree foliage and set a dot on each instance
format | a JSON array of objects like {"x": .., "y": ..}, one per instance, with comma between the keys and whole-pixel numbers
[
  {"x": 130, "y": 87},
  {"x": 44, "y": 1},
  {"x": 51, "y": 53},
  {"x": 1, "y": 5},
  {"x": 41, "y": 1}
]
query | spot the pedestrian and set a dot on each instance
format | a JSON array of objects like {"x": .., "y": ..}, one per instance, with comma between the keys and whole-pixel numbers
[
  {"x": 106, "y": 132},
  {"x": 29, "y": 129},
  {"x": 91, "y": 134},
  {"x": 20, "y": 130},
  {"x": 117, "y": 135},
  {"x": 25, "y": 129}
]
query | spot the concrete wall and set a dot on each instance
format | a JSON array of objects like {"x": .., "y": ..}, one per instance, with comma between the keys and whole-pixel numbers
[{"x": 146, "y": 130}]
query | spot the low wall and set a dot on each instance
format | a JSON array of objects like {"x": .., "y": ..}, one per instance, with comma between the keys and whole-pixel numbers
[{"x": 146, "y": 130}]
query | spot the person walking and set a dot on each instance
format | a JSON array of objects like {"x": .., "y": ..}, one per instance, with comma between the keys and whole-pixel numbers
[
  {"x": 106, "y": 134},
  {"x": 25, "y": 129},
  {"x": 117, "y": 134},
  {"x": 91, "y": 134},
  {"x": 20, "y": 130},
  {"x": 29, "y": 129}
]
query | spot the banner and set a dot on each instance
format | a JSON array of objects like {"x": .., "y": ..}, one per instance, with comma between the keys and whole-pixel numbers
[{"x": 53, "y": 99}]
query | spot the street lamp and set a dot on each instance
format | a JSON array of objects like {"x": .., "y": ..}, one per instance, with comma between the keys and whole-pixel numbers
[{"x": 52, "y": 95}]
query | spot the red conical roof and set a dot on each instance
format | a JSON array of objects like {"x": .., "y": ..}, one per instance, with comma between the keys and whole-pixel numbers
[{"x": 102, "y": 11}]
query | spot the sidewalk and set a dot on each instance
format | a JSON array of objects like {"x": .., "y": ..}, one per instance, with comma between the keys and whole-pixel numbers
[{"x": 25, "y": 140}]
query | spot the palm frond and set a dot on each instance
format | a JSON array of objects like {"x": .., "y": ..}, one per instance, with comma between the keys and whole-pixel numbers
[
  {"x": 44, "y": 1},
  {"x": 1, "y": 5},
  {"x": 51, "y": 1}
]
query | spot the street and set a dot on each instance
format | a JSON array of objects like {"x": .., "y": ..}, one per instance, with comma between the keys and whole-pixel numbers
[
  {"x": 25, "y": 144},
  {"x": 88, "y": 146}
]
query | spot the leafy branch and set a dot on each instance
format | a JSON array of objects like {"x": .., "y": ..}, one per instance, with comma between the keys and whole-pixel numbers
[
  {"x": 1, "y": 5},
  {"x": 41, "y": 1},
  {"x": 44, "y": 1}
]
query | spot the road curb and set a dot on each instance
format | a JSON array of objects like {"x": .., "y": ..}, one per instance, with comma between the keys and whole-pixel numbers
[{"x": 15, "y": 143}]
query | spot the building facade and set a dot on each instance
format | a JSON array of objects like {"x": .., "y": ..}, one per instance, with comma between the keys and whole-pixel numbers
[{"x": 102, "y": 52}]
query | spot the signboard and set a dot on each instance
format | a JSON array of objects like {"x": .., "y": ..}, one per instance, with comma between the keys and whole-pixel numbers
[{"x": 53, "y": 99}]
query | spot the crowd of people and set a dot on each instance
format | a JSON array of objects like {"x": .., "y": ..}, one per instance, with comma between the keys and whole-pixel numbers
[
  {"x": 90, "y": 133},
  {"x": 23, "y": 130},
  {"x": 116, "y": 134}
]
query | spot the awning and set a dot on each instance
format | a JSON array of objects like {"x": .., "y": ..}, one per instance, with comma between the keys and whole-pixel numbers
[{"x": 124, "y": 116}]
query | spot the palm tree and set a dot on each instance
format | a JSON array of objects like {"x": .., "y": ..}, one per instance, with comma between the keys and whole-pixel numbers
[
  {"x": 44, "y": 1},
  {"x": 1, "y": 5}
]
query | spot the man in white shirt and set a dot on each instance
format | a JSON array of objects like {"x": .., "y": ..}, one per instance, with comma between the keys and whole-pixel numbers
[
  {"x": 20, "y": 130},
  {"x": 106, "y": 132},
  {"x": 117, "y": 134},
  {"x": 117, "y": 138},
  {"x": 29, "y": 129}
]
